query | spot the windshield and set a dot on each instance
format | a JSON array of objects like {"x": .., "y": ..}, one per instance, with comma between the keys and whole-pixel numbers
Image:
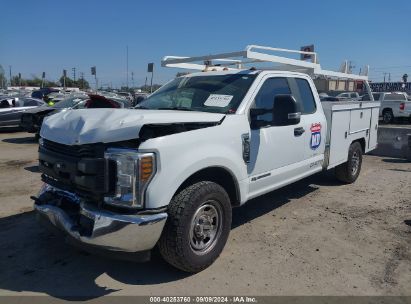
[
  {"x": 217, "y": 93},
  {"x": 68, "y": 102}
]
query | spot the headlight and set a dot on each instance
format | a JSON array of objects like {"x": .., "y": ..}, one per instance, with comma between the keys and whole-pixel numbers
[{"x": 133, "y": 173}]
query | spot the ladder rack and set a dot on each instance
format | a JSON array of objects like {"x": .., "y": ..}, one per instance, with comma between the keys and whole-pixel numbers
[{"x": 256, "y": 54}]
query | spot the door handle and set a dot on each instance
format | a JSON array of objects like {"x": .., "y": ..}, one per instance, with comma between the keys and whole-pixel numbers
[{"x": 299, "y": 131}]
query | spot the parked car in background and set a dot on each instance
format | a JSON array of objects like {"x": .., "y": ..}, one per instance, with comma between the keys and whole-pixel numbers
[
  {"x": 32, "y": 120},
  {"x": 41, "y": 93},
  {"x": 55, "y": 97},
  {"x": 139, "y": 97},
  {"x": 11, "y": 109},
  {"x": 394, "y": 106},
  {"x": 326, "y": 97},
  {"x": 125, "y": 102},
  {"x": 349, "y": 96},
  {"x": 99, "y": 101},
  {"x": 126, "y": 95}
]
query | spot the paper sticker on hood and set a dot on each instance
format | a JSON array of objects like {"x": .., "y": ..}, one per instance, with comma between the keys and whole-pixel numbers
[{"x": 83, "y": 126}]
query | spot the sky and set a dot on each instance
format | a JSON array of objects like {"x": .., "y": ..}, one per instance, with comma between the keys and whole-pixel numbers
[{"x": 49, "y": 36}]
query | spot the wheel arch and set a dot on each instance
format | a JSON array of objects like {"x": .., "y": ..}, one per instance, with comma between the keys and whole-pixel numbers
[
  {"x": 361, "y": 141},
  {"x": 386, "y": 110},
  {"x": 219, "y": 175}
]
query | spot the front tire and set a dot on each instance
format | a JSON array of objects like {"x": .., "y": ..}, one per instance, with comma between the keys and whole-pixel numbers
[
  {"x": 197, "y": 228},
  {"x": 349, "y": 171}
]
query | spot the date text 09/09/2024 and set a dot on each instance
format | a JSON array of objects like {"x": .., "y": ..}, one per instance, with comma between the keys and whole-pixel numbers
[{"x": 203, "y": 299}]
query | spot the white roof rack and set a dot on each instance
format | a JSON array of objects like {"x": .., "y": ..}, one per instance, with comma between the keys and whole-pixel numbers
[{"x": 255, "y": 54}]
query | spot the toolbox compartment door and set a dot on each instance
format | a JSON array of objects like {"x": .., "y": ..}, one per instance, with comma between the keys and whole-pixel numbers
[
  {"x": 372, "y": 140},
  {"x": 348, "y": 122},
  {"x": 360, "y": 120},
  {"x": 339, "y": 142}
]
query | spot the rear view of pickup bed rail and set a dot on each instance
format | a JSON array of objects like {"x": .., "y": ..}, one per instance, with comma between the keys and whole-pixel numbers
[{"x": 168, "y": 172}]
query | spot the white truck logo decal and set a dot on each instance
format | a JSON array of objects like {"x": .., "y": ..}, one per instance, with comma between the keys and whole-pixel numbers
[{"x": 315, "y": 140}]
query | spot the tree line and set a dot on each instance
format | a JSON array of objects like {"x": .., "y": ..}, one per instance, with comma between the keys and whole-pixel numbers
[{"x": 38, "y": 82}]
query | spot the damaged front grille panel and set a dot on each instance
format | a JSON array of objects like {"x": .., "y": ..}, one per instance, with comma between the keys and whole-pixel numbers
[
  {"x": 87, "y": 177},
  {"x": 81, "y": 169},
  {"x": 79, "y": 151}
]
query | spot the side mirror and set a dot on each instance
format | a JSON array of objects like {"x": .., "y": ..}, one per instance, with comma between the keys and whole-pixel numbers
[
  {"x": 286, "y": 110},
  {"x": 255, "y": 123}
]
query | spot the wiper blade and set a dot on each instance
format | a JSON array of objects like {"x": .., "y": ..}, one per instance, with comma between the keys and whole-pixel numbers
[
  {"x": 176, "y": 108},
  {"x": 142, "y": 107}
]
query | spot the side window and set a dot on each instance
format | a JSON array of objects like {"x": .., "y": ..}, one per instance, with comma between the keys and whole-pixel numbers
[
  {"x": 265, "y": 97},
  {"x": 303, "y": 94}
]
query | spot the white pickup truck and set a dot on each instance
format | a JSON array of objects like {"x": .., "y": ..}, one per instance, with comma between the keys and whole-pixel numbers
[
  {"x": 169, "y": 172},
  {"x": 394, "y": 105}
]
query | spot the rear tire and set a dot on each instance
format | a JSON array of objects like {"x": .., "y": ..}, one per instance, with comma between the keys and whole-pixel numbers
[
  {"x": 197, "y": 227},
  {"x": 387, "y": 116},
  {"x": 349, "y": 171}
]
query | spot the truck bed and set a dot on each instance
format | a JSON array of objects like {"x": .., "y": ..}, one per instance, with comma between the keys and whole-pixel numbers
[{"x": 347, "y": 122}]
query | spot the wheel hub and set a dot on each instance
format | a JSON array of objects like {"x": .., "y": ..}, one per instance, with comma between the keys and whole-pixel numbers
[
  {"x": 387, "y": 116},
  {"x": 355, "y": 162},
  {"x": 205, "y": 227}
]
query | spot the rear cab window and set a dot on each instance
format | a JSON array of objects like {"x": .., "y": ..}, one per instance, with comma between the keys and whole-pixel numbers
[
  {"x": 303, "y": 94},
  {"x": 394, "y": 97}
]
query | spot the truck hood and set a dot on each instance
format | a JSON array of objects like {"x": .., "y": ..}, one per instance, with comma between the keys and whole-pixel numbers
[{"x": 85, "y": 126}]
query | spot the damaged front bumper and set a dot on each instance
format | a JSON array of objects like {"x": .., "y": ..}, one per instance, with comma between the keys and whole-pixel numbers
[{"x": 99, "y": 228}]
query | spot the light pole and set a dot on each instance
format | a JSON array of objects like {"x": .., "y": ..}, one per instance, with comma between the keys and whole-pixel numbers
[
  {"x": 64, "y": 78},
  {"x": 94, "y": 72},
  {"x": 150, "y": 69},
  {"x": 43, "y": 77},
  {"x": 127, "y": 65},
  {"x": 10, "y": 74}
]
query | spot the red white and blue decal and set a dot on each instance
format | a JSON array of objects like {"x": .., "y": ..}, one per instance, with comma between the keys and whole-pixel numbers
[{"x": 315, "y": 140}]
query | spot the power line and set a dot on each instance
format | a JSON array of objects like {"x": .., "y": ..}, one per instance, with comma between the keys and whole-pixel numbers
[{"x": 391, "y": 67}]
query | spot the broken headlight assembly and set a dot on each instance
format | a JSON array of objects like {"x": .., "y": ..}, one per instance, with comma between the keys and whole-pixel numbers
[{"x": 133, "y": 173}]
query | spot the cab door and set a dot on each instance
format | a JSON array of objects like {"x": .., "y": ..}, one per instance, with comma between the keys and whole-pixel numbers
[
  {"x": 312, "y": 121},
  {"x": 280, "y": 155},
  {"x": 276, "y": 152}
]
